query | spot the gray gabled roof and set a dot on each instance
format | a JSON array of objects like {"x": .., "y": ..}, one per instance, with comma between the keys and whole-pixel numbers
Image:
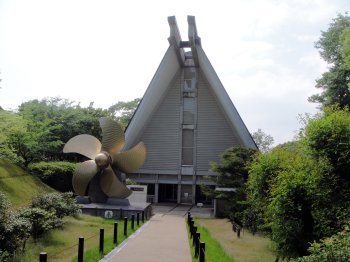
[{"x": 172, "y": 61}]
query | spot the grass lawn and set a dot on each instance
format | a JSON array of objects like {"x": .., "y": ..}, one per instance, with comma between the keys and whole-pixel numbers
[
  {"x": 62, "y": 244},
  {"x": 247, "y": 248},
  {"x": 18, "y": 185}
]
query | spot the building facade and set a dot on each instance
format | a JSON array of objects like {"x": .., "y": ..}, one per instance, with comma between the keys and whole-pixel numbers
[{"x": 186, "y": 120}]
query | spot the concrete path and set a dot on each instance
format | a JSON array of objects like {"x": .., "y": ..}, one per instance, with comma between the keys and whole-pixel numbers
[{"x": 163, "y": 239}]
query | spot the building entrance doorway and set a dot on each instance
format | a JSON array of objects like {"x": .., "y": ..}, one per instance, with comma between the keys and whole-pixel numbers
[{"x": 167, "y": 193}]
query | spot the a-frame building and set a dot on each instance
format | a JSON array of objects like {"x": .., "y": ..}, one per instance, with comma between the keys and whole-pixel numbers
[{"x": 186, "y": 119}]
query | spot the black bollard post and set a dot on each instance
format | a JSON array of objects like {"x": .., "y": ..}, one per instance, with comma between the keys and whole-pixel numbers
[
  {"x": 194, "y": 235},
  {"x": 125, "y": 226},
  {"x": 43, "y": 257},
  {"x": 102, "y": 235},
  {"x": 138, "y": 218},
  {"x": 201, "y": 252},
  {"x": 196, "y": 245},
  {"x": 115, "y": 233},
  {"x": 143, "y": 217},
  {"x": 188, "y": 218},
  {"x": 132, "y": 221},
  {"x": 191, "y": 228},
  {"x": 81, "y": 249}
]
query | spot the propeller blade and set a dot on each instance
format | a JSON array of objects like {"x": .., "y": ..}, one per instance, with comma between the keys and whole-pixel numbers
[
  {"x": 111, "y": 185},
  {"x": 131, "y": 160},
  {"x": 83, "y": 175},
  {"x": 85, "y": 145},
  {"x": 113, "y": 138}
]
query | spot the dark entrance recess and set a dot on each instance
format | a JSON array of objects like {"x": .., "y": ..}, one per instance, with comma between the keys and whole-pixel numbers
[
  {"x": 150, "y": 189},
  {"x": 201, "y": 198},
  {"x": 167, "y": 193}
]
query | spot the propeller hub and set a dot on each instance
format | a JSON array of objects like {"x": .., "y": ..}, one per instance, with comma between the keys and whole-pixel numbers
[{"x": 103, "y": 160}]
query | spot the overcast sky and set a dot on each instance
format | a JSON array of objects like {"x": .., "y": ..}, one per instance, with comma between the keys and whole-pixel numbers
[{"x": 105, "y": 51}]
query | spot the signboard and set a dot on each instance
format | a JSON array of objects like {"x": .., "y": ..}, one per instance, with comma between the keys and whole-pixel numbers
[{"x": 108, "y": 214}]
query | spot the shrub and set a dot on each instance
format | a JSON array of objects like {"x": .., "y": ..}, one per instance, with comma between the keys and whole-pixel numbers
[
  {"x": 328, "y": 137},
  {"x": 56, "y": 174},
  {"x": 334, "y": 248},
  {"x": 41, "y": 220},
  {"x": 62, "y": 204},
  {"x": 14, "y": 230}
]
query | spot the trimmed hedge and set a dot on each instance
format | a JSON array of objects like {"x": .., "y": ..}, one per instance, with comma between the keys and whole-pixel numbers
[{"x": 56, "y": 174}]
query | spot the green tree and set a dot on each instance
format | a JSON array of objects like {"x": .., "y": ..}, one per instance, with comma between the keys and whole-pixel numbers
[
  {"x": 52, "y": 122},
  {"x": 123, "y": 111},
  {"x": 263, "y": 141},
  {"x": 263, "y": 171},
  {"x": 10, "y": 123},
  {"x": 346, "y": 47},
  {"x": 232, "y": 173},
  {"x": 333, "y": 83},
  {"x": 328, "y": 140}
]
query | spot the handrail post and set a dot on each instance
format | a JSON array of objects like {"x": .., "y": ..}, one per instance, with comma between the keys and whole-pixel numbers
[
  {"x": 115, "y": 233},
  {"x": 194, "y": 235},
  {"x": 191, "y": 228},
  {"x": 102, "y": 234},
  {"x": 81, "y": 249},
  {"x": 43, "y": 257},
  {"x": 132, "y": 221},
  {"x": 196, "y": 245},
  {"x": 201, "y": 251},
  {"x": 125, "y": 226}
]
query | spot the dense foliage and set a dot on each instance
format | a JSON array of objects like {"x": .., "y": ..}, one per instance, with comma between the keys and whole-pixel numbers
[
  {"x": 262, "y": 140},
  {"x": 334, "y": 248},
  {"x": 233, "y": 173},
  {"x": 40, "y": 220},
  {"x": 45, "y": 213},
  {"x": 123, "y": 111},
  {"x": 61, "y": 204},
  {"x": 57, "y": 174},
  {"x": 40, "y": 128},
  {"x": 14, "y": 231},
  {"x": 333, "y": 46},
  {"x": 299, "y": 192}
]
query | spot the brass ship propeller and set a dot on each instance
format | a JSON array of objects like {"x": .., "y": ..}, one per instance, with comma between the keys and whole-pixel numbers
[{"x": 105, "y": 158}]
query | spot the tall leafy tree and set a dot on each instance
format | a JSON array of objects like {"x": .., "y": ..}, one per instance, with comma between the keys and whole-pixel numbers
[
  {"x": 346, "y": 47},
  {"x": 263, "y": 141},
  {"x": 123, "y": 111},
  {"x": 232, "y": 173},
  {"x": 333, "y": 83}
]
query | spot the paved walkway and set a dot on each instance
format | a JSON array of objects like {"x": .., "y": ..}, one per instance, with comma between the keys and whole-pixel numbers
[{"x": 163, "y": 239}]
